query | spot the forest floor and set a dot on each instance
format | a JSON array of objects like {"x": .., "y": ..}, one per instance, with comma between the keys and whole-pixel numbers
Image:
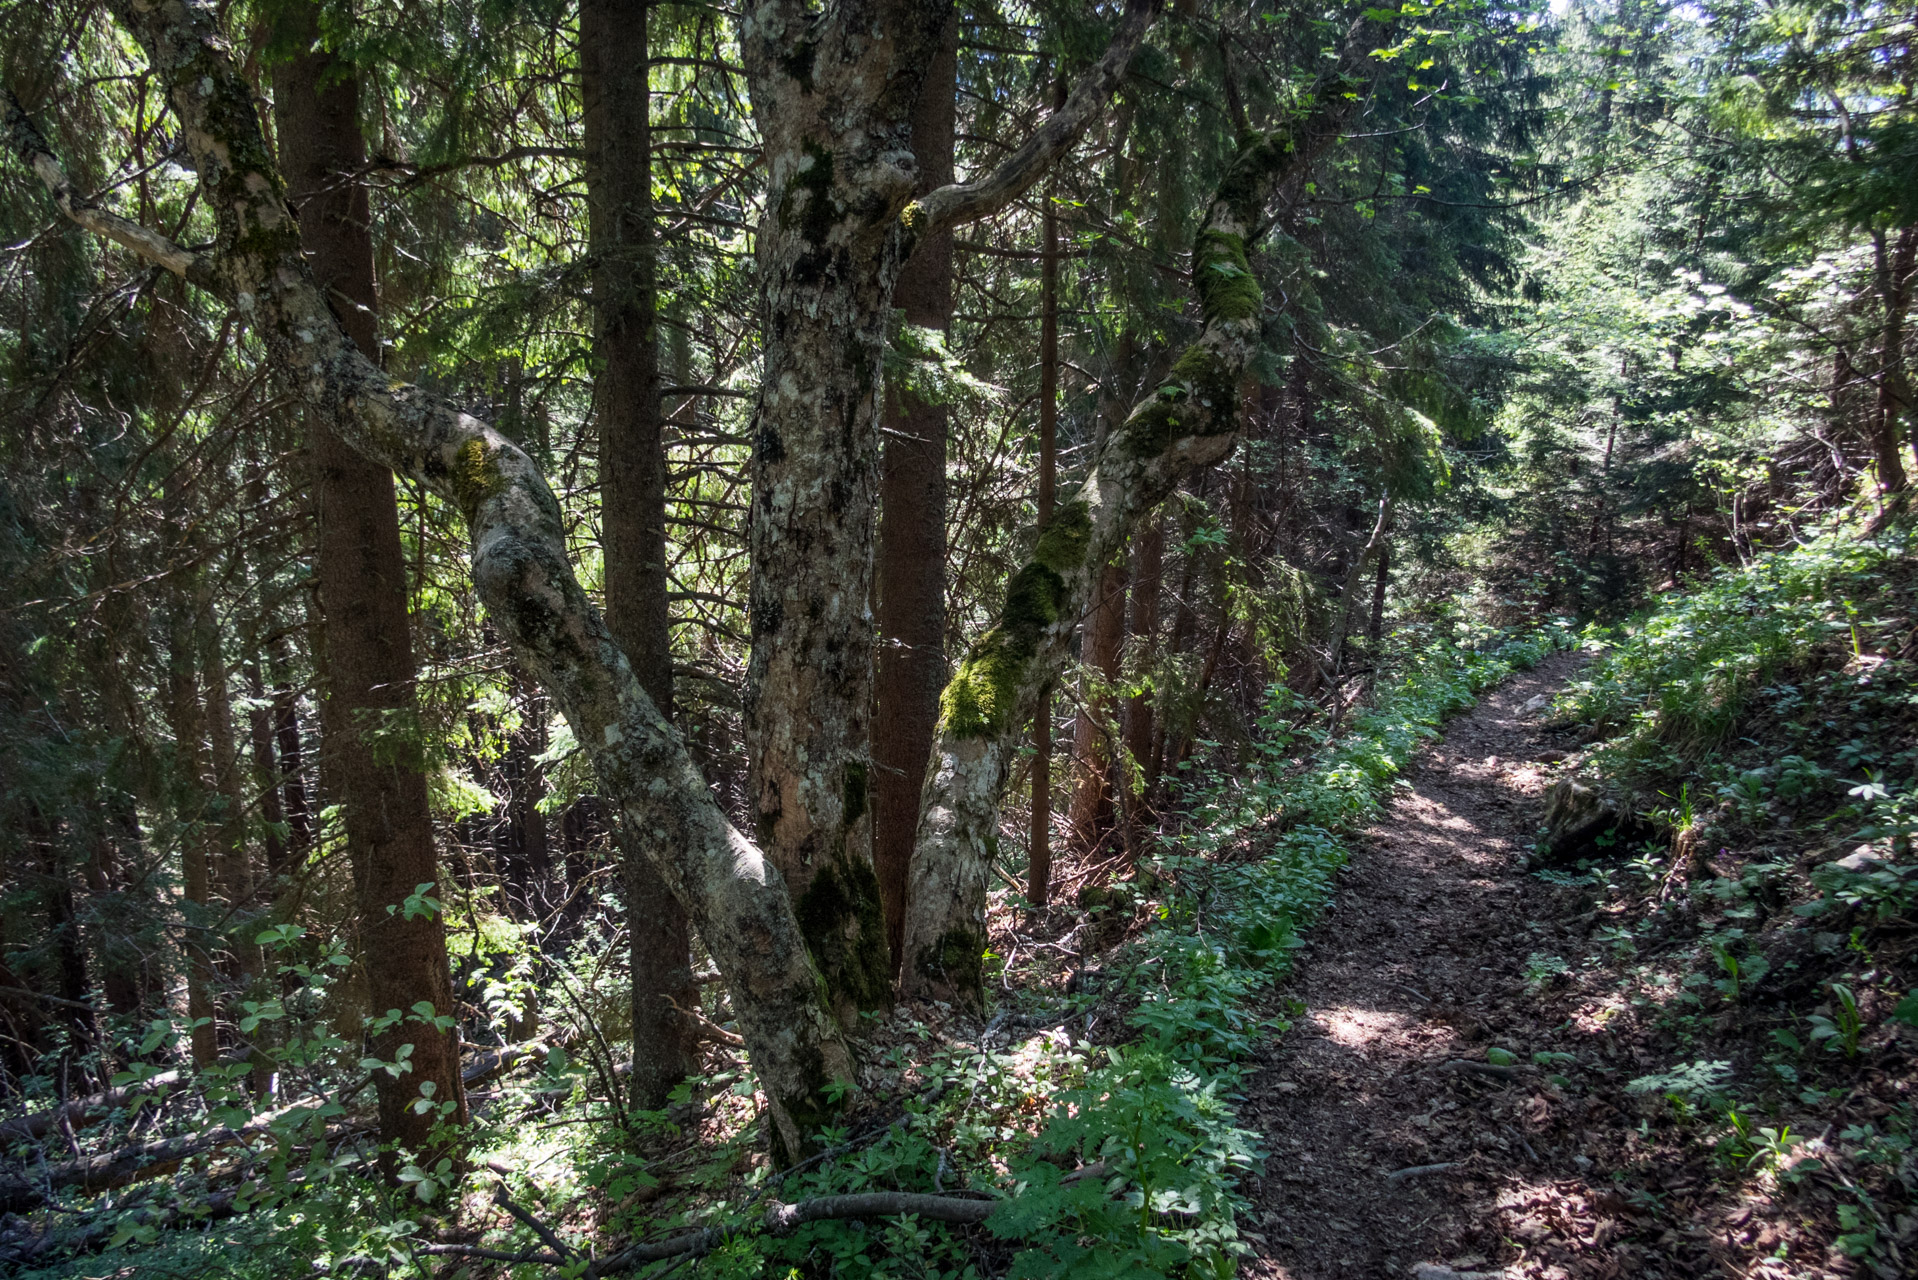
[{"x": 1398, "y": 1145}]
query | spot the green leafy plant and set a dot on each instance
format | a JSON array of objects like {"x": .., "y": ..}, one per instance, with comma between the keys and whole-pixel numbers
[{"x": 1839, "y": 1030}]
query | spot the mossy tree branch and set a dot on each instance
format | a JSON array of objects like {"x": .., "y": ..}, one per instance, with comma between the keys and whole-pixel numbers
[{"x": 1188, "y": 423}]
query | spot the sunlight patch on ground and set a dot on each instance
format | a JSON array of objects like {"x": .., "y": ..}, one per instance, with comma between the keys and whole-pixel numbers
[
  {"x": 1592, "y": 1016},
  {"x": 1358, "y": 1028}
]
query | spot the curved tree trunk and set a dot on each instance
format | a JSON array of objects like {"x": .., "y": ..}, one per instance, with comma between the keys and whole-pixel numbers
[
  {"x": 839, "y": 218},
  {"x": 1189, "y": 422}
]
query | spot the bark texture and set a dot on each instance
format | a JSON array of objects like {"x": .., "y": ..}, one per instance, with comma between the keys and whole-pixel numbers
[
  {"x": 1189, "y": 422},
  {"x": 834, "y": 93},
  {"x": 615, "y": 87},
  {"x": 369, "y": 726},
  {"x": 521, "y": 571},
  {"x": 829, "y": 255},
  {"x": 911, "y": 579}
]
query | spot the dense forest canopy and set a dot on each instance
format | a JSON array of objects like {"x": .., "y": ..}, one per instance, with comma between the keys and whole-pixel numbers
[{"x": 654, "y": 609}]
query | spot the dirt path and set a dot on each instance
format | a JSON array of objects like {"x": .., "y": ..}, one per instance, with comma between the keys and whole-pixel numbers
[{"x": 1418, "y": 965}]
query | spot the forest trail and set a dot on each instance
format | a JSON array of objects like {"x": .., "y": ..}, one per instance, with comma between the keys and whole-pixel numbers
[{"x": 1418, "y": 964}]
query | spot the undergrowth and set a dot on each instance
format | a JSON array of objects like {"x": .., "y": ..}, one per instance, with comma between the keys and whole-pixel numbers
[
  {"x": 1110, "y": 1136},
  {"x": 1124, "y": 1159},
  {"x": 1765, "y": 941}
]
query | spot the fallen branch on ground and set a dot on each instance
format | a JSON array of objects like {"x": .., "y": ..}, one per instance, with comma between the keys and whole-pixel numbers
[
  {"x": 80, "y": 1111},
  {"x": 1420, "y": 1170},
  {"x": 123, "y": 1166}
]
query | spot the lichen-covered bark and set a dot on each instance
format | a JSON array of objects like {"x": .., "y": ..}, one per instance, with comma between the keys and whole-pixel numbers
[
  {"x": 833, "y": 94},
  {"x": 1186, "y": 424}
]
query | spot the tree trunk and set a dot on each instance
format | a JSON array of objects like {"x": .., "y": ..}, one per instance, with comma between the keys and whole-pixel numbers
[
  {"x": 1148, "y": 575},
  {"x": 524, "y": 859},
  {"x": 1894, "y": 269},
  {"x": 912, "y": 531},
  {"x": 615, "y": 87},
  {"x": 369, "y": 724},
  {"x": 1093, "y": 729},
  {"x": 1348, "y": 593},
  {"x": 1039, "y": 852},
  {"x": 266, "y": 772},
  {"x": 840, "y": 219},
  {"x": 185, "y": 718},
  {"x": 1375, "y": 630},
  {"x": 233, "y": 868},
  {"x": 292, "y": 752}
]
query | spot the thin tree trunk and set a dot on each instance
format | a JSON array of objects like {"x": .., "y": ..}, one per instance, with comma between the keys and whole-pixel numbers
[
  {"x": 232, "y": 870},
  {"x": 369, "y": 723},
  {"x": 1101, "y": 644},
  {"x": 1894, "y": 386},
  {"x": 1189, "y": 422},
  {"x": 1348, "y": 591},
  {"x": 1039, "y": 853},
  {"x": 63, "y": 931},
  {"x": 266, "y": 772},
  {"x": 615, "y": 81},
  {"x": 524, "y": 857},
  {"x": 292, "y": 755},
  {"x": 1148, "y": 580},
  {"x": 1375, "y": 630},
  {"x": 186, "y": 720},
  {"x": 912, "y": 532},
  {"x": 1092, "y": 762}
]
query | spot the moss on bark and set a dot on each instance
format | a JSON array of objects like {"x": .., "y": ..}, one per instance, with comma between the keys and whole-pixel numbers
[
  {"x": 845, "y": 928},
  {"x": 1222, "y": 274},
  {"x": 956, "y": 960},
  {"x": 981, "y": 695},
  {"x": 476, "y": 476}
]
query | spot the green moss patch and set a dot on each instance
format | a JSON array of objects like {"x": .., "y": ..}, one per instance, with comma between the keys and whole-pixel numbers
[
  {"x": 957, "y": 959},
  {"x": 979, "y": 699},
  {"x": 476, "y": 476},
  {"x": 1222, "y": 274},
  {"x": 845, "y": 930}
]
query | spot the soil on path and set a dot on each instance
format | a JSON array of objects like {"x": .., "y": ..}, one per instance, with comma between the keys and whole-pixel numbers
[{"x": 1386, "y": 1157}]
